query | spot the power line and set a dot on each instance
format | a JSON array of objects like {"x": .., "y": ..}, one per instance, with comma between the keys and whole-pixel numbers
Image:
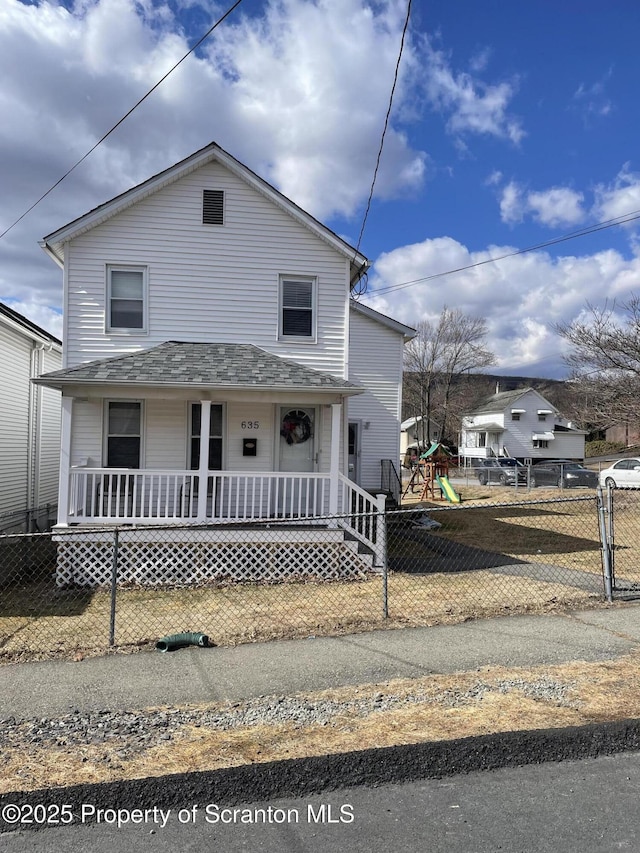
[
  {"x": 124, "y": 117},
  {"x": 386, "y": 125},
  {"x": 600, "y": 226}
]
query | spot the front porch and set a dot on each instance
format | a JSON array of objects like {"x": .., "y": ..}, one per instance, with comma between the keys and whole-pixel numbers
[{"x": 206, "y": 436}]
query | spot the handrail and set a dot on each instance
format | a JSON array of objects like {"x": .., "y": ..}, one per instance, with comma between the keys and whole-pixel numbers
[{"x": 145, "y": 495}]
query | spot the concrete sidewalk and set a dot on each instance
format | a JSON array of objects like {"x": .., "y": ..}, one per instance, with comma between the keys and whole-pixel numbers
[{"x": 194, "y": 675}]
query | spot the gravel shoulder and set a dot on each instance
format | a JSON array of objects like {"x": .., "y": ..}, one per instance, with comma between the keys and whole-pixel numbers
[{"x": 105, "y": 745}]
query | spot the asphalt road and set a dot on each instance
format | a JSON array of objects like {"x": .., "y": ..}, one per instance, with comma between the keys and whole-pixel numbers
[{"x": 573, "y": 806}]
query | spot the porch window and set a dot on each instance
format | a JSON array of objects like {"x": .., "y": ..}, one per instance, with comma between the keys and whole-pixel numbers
[
  {"x": 297, "y": 308},
  {"x": 126, "y": 287},
  {"x": 215, "y": 437},
  {"x": 124, "y": 432}
]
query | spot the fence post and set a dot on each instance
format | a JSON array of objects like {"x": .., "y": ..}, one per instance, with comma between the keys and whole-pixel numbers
[
  {"x": 114, "y": 584},
  {"x": 605, "y": 545},
  {"x": 381, "y": 547}
]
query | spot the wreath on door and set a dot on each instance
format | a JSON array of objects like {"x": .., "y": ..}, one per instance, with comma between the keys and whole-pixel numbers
[{"x": 296, "y": 427}]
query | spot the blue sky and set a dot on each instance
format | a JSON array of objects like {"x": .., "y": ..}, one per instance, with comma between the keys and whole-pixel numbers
[{"x": 512, "y": 125}]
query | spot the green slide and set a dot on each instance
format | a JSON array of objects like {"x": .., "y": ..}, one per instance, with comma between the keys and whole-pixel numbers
[{"x": 447, "y": 490}]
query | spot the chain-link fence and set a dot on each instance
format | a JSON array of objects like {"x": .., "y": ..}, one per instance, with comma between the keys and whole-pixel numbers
[
  {"x": 621, "y": 534},
  {"x": 84, "y": 590}
]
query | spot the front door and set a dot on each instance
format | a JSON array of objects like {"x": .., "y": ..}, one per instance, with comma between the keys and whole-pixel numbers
[
  {"x": 297, "y": 428},
  {"x": 297, "y": 455}
]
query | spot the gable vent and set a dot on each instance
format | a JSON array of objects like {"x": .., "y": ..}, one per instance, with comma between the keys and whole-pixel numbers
[{"x": 212, "y": 207}]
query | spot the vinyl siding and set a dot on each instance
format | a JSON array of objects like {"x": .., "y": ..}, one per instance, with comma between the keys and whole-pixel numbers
[
  {"x": 375, "y": 361},
  {"x": 86, "y": 437},
  {"x": 46, "y": 485},
  {"x": 518, "y": 435},
  {"x": 15, "y": 356},
  {"x": 166, "y": 435},
  {"x": 206, "y": 282},
  {"x": 29, "y": 423}
]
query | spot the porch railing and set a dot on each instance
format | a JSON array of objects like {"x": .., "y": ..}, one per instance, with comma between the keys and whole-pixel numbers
[
  {"x": 363, "y": 516},
  {"x": 139, "y": 497},
  {"x": 125, "y": 496}
]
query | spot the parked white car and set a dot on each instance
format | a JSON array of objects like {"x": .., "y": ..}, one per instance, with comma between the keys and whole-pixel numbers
[{"x": 623, "y": 474}]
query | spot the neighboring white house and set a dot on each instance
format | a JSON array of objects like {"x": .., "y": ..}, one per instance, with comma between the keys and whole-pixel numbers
[
  {"x": 521, "y": 424},
  {"x": 204, "y": 302},
  {"x": 30, "y": 422}
]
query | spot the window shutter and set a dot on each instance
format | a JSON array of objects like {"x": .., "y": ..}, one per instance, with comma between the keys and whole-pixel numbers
[{"x": 212, "y": 207}]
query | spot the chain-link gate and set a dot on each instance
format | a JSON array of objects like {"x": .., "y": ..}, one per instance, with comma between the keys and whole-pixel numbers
[{"x": 619, "y": 520}]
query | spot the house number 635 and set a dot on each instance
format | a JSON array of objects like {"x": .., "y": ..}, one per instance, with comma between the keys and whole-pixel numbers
[{"x": 250, "y": 425}]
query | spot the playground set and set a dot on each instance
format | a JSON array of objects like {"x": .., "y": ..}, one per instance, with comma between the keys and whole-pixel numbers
[{"x": 431, "y": 470}]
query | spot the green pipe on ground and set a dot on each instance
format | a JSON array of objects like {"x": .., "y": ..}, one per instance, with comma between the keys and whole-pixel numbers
[{"x": 178, "y": 641}]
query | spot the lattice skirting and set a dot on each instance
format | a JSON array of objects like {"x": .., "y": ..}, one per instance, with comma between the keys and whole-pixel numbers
[{"x": 87, "y": 560}]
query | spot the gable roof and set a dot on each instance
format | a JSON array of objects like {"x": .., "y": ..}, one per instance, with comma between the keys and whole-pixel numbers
[
  {"x": 53, "y": 243},
  {"x": 406, "y": 331},
  {"x": 499, "y": 402},
  {"x": 16, "y": 319},
  {"x": 175, "y": 364}
]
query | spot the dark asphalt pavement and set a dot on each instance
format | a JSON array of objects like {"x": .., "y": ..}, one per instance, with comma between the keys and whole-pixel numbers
[{"x": 586, "y": 806}]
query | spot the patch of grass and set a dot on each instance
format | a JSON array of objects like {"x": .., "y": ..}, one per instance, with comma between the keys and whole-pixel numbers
[
  {"x": 249, "y": 613},
  {"x": 431, "y": 708}
]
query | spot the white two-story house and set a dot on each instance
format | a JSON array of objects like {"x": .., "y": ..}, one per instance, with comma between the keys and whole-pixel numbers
[
  {"x": 216, "y": 369},
  {"x": 521, "y": 424}
]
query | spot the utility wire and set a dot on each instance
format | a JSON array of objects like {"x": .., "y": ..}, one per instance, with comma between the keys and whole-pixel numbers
[
  {"x": 384, "y": 130},
  {"x": 124, "y": 117},
  {"x": 600, "y": 226}
]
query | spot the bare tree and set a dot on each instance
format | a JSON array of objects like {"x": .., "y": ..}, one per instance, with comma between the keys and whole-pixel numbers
[
  {"x": 605, "y": 362},
  {"x": 439, "y": 354}
]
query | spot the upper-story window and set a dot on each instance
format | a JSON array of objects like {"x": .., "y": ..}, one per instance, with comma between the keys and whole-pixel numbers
[
  {"x": 126, "y": 299},
  {"x": 542, "y": 416},
  {"x": 297, "y": 308},
  {"x": 515, "y": 416}
]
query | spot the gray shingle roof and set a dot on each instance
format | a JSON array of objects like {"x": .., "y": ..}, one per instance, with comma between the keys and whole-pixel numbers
[
  {"x": 213, "y": 365},
  {"x": 499, "y": 402}
]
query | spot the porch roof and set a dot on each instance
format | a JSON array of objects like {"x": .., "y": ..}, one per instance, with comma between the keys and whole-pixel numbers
[{"x": 177, "y": 364}]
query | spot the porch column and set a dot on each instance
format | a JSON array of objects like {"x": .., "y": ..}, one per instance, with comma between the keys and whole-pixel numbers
[
  {"x": 334, "y": 468},
  {"x": 65, "y": 459},
  {"x": 203, "y": 467}
]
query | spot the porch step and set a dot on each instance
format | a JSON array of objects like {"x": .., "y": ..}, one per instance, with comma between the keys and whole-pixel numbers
[{"x": 365, "y": 554}]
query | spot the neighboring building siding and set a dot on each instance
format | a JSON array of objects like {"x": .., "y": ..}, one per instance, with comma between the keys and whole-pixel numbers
[
  {"x": 46, "y": 485},
  {"x": 30, "y": 421},
  {"x": 375, "y": 362},
  {"x": 15, "y": 356},
  {"x": 206, "y": 283},
  {"x": 517, "y": 437}
]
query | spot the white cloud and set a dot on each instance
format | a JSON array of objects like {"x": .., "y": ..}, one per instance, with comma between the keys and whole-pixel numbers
[
  {"x": 521, "y": 297},
  {"x": 620, "y": 198},
  {"x": 556, "y": 206},
  {"x": 512, "y": 204},
  {"x": 472, "y": 105},
  {"x": 298, "y": 93}
]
